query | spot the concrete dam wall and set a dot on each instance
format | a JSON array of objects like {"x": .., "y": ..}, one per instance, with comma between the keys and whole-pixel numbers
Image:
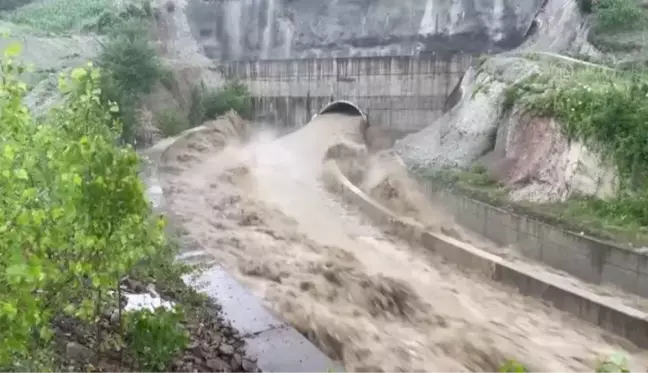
[{"x": 399, "y": 95}]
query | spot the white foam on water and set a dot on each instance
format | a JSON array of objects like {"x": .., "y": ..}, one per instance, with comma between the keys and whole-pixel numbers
[{"x": 367, "y": 298}]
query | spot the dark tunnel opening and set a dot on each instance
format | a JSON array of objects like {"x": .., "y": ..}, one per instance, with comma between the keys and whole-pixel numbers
[{"x": 342, "y": 107}]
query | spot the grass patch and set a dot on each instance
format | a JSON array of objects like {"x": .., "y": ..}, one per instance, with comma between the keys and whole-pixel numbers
[
  {"x": 590, "y": 215},
  {"x": 62, "y": 16},
  {"x": 476, "y": 180},
  {"x": 618, "y": 15},
  {"x": 59, "y": 15},
  {"x": 579, "y": 214},
  {"x": 619, "y": 26}
]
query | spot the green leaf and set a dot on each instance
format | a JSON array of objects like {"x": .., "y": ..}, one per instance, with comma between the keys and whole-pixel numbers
[
  {"x": 29, "y": 193},
  {"x": 13, "y": 50},
  {"x": 21, "y": 174},
  {"x": 16, "y": 270},
  {"x": 46, "y": 333},
  {"x": 9, "y": 310},
  {"x": 79, "y": 73},
  {"x": 9, "y": 152},
  {"x": 69, "y": 310},
  {"x": 22, "y": 219}
]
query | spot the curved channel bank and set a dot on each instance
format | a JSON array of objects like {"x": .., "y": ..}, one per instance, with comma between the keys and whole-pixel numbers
[
  {"x": 614, "y": 317},
  {"x": 278, "y": 347}
]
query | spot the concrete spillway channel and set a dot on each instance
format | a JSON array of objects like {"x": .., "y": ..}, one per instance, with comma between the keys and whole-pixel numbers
[
  {"x": 372, "y": 288},
  {"x": 277, "y": 346}
]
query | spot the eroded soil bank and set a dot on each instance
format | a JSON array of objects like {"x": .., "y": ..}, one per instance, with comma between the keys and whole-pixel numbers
[{"x": 366, "y": 298}]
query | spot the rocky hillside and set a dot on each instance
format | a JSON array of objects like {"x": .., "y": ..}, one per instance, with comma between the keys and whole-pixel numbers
[
  {"x": 240, "y": 29},
  {"x": 163, "y": 75},
  {"x": 554, "y": 122}
]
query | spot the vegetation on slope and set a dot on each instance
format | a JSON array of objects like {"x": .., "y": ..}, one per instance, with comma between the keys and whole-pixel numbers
[
  {"x": 615, "y": 363},
  {"x": 78, "y": 229},
  {"x": 133, "y": 70},
  {"x": 615, "y": 15},
  {"x": 606, "y": 111},
  {"x": 63, "y": 16},
  {"x": 620, "y": 29},
  {"x": 78, "y": 232},
  {"x": 74, "y": 216}
]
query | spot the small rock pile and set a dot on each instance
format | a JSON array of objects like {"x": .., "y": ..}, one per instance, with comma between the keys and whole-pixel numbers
[{"x": 215, "y": 346}]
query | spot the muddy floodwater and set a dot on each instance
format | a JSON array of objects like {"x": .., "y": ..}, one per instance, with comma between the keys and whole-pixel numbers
[{"x": 373, "y": 301}]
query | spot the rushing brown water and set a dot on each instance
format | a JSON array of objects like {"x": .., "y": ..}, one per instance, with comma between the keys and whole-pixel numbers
[{"x": 369, "y": 299}]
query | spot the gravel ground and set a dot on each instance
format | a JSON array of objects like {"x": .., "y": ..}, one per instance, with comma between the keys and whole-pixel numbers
[{"x": 215, "y": 346}]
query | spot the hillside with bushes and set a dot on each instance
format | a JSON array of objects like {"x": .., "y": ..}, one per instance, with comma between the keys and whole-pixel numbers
[
  {"x": 126, "y": 39},
  {"x": 88, "y": 270},
  {"x": 556, "y": 130}
]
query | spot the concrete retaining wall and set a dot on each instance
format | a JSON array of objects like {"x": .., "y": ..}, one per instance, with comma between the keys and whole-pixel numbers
[
  {"x": 403, "y": 94},
  {"x": 584, "y": 257},
  {"x": 616, "y": 318}
]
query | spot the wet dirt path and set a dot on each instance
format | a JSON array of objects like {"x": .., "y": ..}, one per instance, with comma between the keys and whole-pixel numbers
[{"x": 369, "y": 299}]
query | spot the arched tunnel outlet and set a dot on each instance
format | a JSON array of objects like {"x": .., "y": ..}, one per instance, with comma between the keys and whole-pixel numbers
[
  {"x": 343, "y": 107},
  {"x": 348, "y": 108}
]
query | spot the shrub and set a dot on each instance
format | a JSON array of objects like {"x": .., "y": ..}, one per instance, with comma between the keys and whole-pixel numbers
[
  {"x": 155, "y": 338},
  {"x": 512, "y": 366},
  {"x": 112, "y": 19},
  {"x": 210, "y": 104},
  {"x": 130, "y": 59},
  {"x": 585, "y": 6},
  {"x": 197, "y": 109},
  {"x": 618, "y": 15},
  {"x": 616, "y": 363},
  {"x": 74, "y": 218},
  {"x": 171, "y": 122},
  {"x": 132, "y": 70}
]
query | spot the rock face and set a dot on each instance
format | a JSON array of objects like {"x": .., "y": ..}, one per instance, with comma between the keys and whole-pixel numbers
[
  {"x": 252, "y": 29},
  {"x": 531, "y": 155},
  {"x": 560, "y": 28},
  {"x": 540, "y": 164},
  {"x": 460, "y": 136}
]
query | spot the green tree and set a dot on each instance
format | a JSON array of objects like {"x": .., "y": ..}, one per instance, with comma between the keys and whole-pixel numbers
[{"x": 74, "y": 217}]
